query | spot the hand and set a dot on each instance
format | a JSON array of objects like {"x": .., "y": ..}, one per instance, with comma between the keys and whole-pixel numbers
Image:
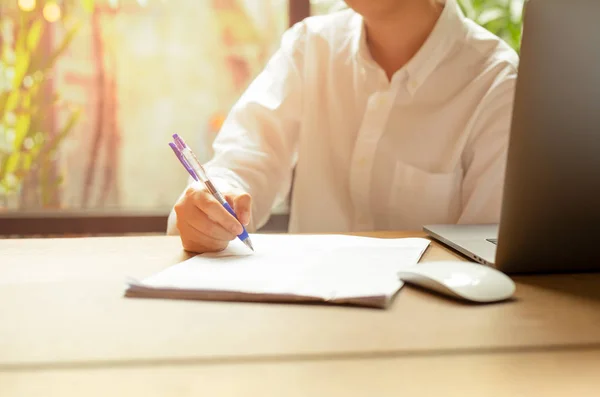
[{"x": 204, "y": 224}]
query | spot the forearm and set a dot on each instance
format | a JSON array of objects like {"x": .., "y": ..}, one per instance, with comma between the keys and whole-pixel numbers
[{"x": 254, "y": 150}]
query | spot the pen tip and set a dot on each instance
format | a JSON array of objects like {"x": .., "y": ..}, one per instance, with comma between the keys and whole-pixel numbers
[{"x": 249, "y": 244}]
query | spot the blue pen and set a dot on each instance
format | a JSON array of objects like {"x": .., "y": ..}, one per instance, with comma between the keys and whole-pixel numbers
[{"x": 187, "y": 156}]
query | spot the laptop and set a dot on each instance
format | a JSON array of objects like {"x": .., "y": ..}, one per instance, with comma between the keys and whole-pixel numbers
[{"x": 550, "y": 221}]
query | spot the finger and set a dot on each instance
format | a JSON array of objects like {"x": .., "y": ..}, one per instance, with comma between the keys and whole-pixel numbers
[
  {"x": 242, "y": 205},
  {"x": 216, "y": 212},
  {"x": 194, "y": 240},
  {"x": 203, "y": 224},
  {"x": 188, "y": 215}
]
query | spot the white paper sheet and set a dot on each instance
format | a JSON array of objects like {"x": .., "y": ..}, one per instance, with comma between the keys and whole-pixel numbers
[{"x": 316, "y": 267}]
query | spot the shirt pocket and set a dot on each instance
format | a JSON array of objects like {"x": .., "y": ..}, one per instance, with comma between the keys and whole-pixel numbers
[{"x": 418, "y": 197}]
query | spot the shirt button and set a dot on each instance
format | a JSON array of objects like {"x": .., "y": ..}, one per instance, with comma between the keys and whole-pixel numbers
[
  {"x": 362, "y": 161},
  {"x": 413, "y": 84}
]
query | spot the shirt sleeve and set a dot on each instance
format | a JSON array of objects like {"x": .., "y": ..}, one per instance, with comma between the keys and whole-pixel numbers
[
  {"x": 484, "y": 158},
  {"x": 255, "y": 149}
]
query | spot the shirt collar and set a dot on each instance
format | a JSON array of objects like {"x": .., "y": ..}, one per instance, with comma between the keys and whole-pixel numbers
[
  {"x": 449, "y": 29},
  {"x": 359, "y": 40}
]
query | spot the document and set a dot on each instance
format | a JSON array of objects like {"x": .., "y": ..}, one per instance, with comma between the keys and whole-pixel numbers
[{"x": 335, "y": 269}]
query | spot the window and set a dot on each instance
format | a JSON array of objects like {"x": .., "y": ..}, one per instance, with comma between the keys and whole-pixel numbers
[{"x": 91, "y": 91}]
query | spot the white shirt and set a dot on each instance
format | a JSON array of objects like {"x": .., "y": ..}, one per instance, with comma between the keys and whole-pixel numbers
[{"x": 429, "y": 146}]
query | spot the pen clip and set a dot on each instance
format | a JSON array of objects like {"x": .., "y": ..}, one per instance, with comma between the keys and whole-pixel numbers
[
  {"x": 183, "y": 161},
  {"x": 179, "y": 142}
]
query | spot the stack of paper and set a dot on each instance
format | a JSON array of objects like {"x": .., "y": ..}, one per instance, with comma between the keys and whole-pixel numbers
[{"x": 291, "y": 268}]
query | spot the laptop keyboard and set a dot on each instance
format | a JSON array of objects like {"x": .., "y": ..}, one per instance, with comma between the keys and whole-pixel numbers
[{"x": 493, "y": 240}]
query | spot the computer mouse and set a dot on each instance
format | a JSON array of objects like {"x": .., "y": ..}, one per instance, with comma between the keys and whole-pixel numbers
[{"x": 459, "y": 279}]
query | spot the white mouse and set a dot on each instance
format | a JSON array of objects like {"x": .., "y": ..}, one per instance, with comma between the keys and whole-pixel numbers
[{"x": 459, "y": 279}]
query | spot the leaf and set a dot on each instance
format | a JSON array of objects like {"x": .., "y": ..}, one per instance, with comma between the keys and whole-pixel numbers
[
  {"x": 21, "y": 129},
  {"x": 64, "y": 132},
  {"x": 490, "y": 15},
  {"x": 22, "y": 60},
  {"x": 516, "y": 11},
  {"x": 468, "y": 8},
  {"x": 39, "y": 141},
  {"x": 3, "y": 161},
  {"x": 88, "y": 5},
  {"x": 34, "y": 35},
  {"x": 11, "y": 163},
  {"x": 3, "y": 98},
  {"x": 515, "y": 36},
  {"x": 45, "y": 159},
  {"x": 63, "y": 46},
  {"x": 12, "y": 101}
]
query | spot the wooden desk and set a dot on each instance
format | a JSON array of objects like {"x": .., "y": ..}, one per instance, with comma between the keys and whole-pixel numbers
[
  {"x": 543, "y": 374},
  {"x": 64, "y": 319}
]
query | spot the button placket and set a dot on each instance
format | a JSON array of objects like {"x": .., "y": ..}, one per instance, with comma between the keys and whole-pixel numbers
[{"x": 374, "y": 122}]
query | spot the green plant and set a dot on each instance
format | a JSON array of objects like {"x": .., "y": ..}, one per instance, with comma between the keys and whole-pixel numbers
[
  {"x": 27, "y": 149},
  {"x": 504, "y": 18}
]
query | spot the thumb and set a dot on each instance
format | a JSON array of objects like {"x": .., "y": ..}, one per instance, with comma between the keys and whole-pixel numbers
[{"x": 242, "y": 205}]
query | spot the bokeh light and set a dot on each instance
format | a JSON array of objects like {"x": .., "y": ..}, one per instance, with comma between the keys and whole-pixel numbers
[
  {"x": 26, "y": 5},
  {"x": 52, "y": 12}
]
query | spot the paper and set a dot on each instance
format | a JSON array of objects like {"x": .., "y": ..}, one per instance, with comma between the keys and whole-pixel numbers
[{"x": 331, "y": 268}]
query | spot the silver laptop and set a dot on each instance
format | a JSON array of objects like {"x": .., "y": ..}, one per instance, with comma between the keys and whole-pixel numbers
[
  {"x": 550, "y": 218},
  {"x": 477, "y": 242}
]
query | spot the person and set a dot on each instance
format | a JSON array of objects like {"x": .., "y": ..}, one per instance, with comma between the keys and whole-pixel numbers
[{"x": 390, "y": 114}]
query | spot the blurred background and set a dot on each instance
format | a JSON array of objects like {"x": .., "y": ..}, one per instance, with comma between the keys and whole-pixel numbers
[{"x": 91, "y": 91}]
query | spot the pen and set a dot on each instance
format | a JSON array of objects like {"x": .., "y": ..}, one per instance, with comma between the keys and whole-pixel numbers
[
  {"x": 182, "y": 160},
  {"x": 190, "y": 162}
]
